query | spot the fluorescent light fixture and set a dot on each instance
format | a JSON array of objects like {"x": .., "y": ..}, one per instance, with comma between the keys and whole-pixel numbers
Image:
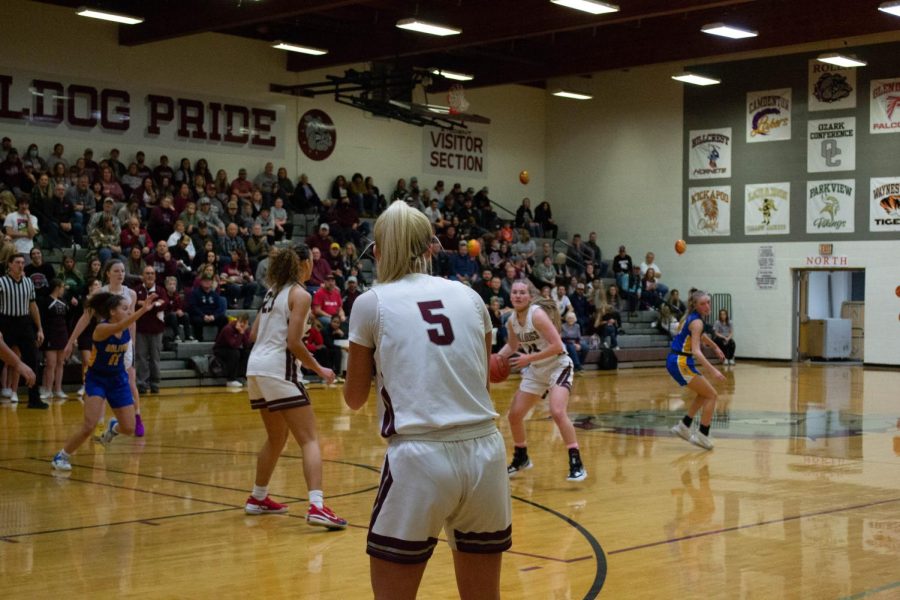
[
  {"x": 892, "y": 8},
  {"x": 453, "y": 75},
  {"x": 841, "y": 60},
  {"x": 572, "y": 95},
  {"x": 695, "y": 79},
  {"x": 429, "y": 28},
  {"x": 590, "y": 6},
  {"x": 301, "y": 49},
  {"x": 437, "y": 108},
  {"x": 729, "y": 31},
  {"x": 84, "y": 11}
]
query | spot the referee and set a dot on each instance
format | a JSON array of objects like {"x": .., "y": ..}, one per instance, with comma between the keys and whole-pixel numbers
[{"x": 19, "y": 318}]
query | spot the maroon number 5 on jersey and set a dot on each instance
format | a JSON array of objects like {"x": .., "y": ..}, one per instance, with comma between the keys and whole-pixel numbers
[{"x": 442, "y": 335}]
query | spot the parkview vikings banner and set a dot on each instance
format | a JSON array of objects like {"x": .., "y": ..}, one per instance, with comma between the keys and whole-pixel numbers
[
  {"x": 767, "y": 208},
  {"x": 709, "y": 211},
  {"x": 455, "y": 153},
  {"x": 884, "y": 204},
  {"x": 831, "y": 145},
  {"x": 831, "y": 87},
  {"x": 769, "y": 116},
  {"x": 884, "y": 106},
  {"x": 830, "y": 206},
  {"x": 709, "y": 153}
]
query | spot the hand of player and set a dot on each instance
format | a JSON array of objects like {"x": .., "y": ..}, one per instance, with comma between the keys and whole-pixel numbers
[
  {"x": 67, "y": 352},
  {"x": 148, "y": 303},
  {"x": 26, "y": 372},
  {"x": 720, "y": 354},
  {"x": 518, "y": 361},
  {"x": 327, "y": 375},
  {"x": 40, "y": 337}
]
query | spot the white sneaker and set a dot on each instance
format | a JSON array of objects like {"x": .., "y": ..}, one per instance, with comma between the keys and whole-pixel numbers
[
  {"x": 61, "y": 395},
  {"x": 6, "y": 392},
  {"x": 61, "y": 463},
  {"x": 234, "y": 384},
  {"x": 682, "y": 431},
  {"x": 81, "y": 391},
  {"x": 732, "y": 362},
  {"x": 45, "y": 394},
  {"x": 698, "y": 439},
  {"x": 14, "y": 398}
]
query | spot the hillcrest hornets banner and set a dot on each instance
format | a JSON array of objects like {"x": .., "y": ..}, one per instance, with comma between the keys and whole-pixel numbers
[
  {"x": 767, "y": 208},
  {"x": 709, "y": 152},
  {"x": 709, "y": 211},
  {"x": 831, "y": 87},
  {"x": 830, "y": 206},
  {"x": 831, "y": 145},
  {"x": 884, "y": 106},
  {"x": 884, "y": 204},
  {"x": 769, "y": 116}
]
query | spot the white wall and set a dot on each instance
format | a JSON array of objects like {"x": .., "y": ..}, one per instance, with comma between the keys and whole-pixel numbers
[
  {"x": 614, "y": 165},
  {"x": 53, "y": 40}
]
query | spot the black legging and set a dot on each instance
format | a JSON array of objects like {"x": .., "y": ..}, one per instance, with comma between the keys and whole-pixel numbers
[
  {"x": 18, "y": 332},
  {"x": 234, "y": 362},
  {"x": 726, "y": 347}
]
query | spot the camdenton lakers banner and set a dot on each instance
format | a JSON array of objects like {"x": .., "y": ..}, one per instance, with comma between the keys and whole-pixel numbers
[
  {"x": 769, "y": 116},
  {"x": 767, "y": 208},
  {"x": 709, "y": 153},
  {"x": 884, "y": 106},
  {"x": 709, "y": 211}
]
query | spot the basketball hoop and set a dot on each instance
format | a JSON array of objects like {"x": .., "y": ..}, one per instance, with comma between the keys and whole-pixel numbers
[{"x": 457, "y": 99}]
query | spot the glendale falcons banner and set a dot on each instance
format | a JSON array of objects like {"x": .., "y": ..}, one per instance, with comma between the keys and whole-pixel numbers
[
  {"x": 831, "y": 145},
  {"x": 709, "y": 153},
  {"x": 831, "y": 87},
  {"x": 884, "y": 106},
  {"x": 709, "y": 211},
  {"x": 767, "y": 208}
]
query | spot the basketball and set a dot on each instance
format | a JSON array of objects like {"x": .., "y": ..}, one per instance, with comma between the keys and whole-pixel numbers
[
  {"x": 897, "y": 291},
  {"x": 499, "y": 368},
  {"x": 680, "y": 246},
  {"x": 474, "y": 248},
  {"x": 524, "y": 177}
]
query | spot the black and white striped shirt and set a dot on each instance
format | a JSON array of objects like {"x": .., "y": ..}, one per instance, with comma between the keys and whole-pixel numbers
[{"x": 15, "y": 296}]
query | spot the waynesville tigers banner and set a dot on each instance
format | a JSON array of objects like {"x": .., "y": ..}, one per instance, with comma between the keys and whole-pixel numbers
[
  {"x": 831, "y": 145},
  {"x": 831, "y": 87},
  {"x": 830, "y": 206},
  {"x": 709, "y": 153},
  {"x": 884, "y": 106},
  {"x": 767, "y": 208},
  {"x": 709, "y": 211},
  {"x": 884, "y": 204},
  {"x": 769, "y": 116}
]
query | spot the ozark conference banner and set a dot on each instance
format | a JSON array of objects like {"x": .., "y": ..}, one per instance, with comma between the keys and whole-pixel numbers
[
  {"x": 461, "y": 154},
  {"x": 50, "y": 105}
]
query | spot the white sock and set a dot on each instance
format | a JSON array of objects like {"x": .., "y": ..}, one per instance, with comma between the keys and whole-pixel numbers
[
  {"x": 260, "y": 492},
  {"x": 65, "y": 454},
  {"x": 317, "y": 498}
]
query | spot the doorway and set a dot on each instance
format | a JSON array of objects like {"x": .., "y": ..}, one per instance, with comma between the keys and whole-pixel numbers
[{"x": 829, "y": 314}]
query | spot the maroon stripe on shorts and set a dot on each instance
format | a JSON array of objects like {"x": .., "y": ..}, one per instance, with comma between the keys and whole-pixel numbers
[
  {"x": 287, "y": 364},
  {"x": 563, "y": 377},
  {"x": 388, "y": 426},
  {"x": 399, "y": 551},
  {"x": 487, "y": 542},
  {"x": 483, "y": 536},
  {"x": 384, "y": 486},
  {"x": 284, "y": 403}
]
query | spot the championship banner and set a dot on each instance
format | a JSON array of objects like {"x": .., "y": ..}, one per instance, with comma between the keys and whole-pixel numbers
[
  {"x": 831, "y": 87},
  {"x": 769, "y": 116},
  {"x": 460, "y": 154},
  {"x": 709, "y": 211},
  {"x": 884, "y": 106},
  {"x": 830, "y": 206},
  {"x": 884, "y": 204},
  {"x": 709, "y": 153},
  {"x": 831, "y": 145},
  {"x": 767, "y": 208}
]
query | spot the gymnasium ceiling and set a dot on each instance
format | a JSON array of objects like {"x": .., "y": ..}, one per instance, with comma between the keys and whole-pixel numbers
[{"x": 502, "y": 41}]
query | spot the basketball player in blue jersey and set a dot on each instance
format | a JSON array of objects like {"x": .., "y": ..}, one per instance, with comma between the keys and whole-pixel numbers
[
  {"x": 107, "y": 378},
  {"x": 686, "y": 351}
]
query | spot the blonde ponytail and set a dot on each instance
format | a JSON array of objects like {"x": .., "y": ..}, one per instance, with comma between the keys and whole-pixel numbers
[{"x": 403, "y": 237}]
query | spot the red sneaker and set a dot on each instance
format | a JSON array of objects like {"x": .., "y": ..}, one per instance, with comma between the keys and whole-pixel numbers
[
  {"x": 323, "y": 517},
  {"x": 266, "y": 506}
]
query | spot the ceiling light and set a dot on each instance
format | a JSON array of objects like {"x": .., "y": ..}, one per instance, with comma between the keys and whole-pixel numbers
[
  {"x": 841, "y": 60},
  {"x": 591, "y": 6},
  {"x": 892, "y": 7},
  {"x": 695, "y": 79},
  {"x": 453, "y": 75},
  {"x": 572, "y": 95},
  {"x": 429, "y": 28},
  {"x": 735, "y": 33},
  {"x": 109, "y": 16},
  {"x": 300, "y": 49}
]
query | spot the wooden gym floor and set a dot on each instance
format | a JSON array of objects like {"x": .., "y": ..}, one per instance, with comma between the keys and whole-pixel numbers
[{"x": 799, "y": 499}]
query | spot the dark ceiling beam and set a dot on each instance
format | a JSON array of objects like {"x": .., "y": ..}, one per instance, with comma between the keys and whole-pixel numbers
[
  {"x": 498, "y": 21},
  {"x": 671, "y": 41},
  {"x": 161, "y": 25}
]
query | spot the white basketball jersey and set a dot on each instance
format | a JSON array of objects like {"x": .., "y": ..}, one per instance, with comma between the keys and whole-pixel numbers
[
  {"x": 431, "y": 362},
  {"x": 530, "y": 339},
  {"x": 270, "y": 355}
]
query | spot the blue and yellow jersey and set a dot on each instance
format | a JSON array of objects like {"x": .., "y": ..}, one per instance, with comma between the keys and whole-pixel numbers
[
  {"x": 107, "y": 356},
  {"x": 681, "y": 343}
]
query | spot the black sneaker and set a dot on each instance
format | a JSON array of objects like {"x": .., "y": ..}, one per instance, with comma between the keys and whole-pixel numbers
[
  {"x": 576, "y": 468},
  {"x": 519, "y": 463}
]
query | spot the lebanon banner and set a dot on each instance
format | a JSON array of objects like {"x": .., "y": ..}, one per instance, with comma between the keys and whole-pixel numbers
[{"x": 767, "y": 208}]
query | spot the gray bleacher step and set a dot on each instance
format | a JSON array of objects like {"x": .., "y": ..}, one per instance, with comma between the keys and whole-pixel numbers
[
  {"x": 193, "y": 382},
  {"x": 187, "y": 350},
  {"x": 167, "y": 355},
  {"x": 639, "y": 328},
  {"x": 643, "y": 341},
  {"x": 641, "y": 316},
  {"x": 178, "y": 373},
  {"x": 167, "y": 365},
  {"x": 642, "y": 364}
]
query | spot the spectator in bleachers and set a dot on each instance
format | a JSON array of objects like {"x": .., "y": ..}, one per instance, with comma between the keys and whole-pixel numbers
[
  {"x": 320, "y": 271},
  {"x": 449, "y": 238},
  {"x": 650, "y": 295},
  {"x": 184, "y": 174},
  {"x": 525, "y": 218},
  {"x": 506, "y": 233},
  {"x": 109, "y": 186},
  {"x": 94, "y": 270},
  {"x": 349, "y": 258},
  {"x": 242, "y": 187},
  {"x": 632, "y": 289},
  {"x": 33, "y": 155},
  {"x": 570, "y": 332},
  {"x": 265, "y": 182},
  {"x": 12, "y": 174},
  {"x": 232, "y": 215},
  {"x": 543, "y": 216},
  {"x": 150, "y": 328},
  {"x": 305, "y": 196},
  {"x": 190, "y": 217},
  {"x": 166, "y": 188},
  {"x": 510, "y": 276},
  {"x": 204, "y": 240},
  {"x": 104, "y": 240},
  {"x": 435, "y": 216},
  {"x": 38, "y": 266},
  {"x": 184, "y": 259},
  {"x": 622, "y": 267},
  {"x": 134, "y": 265},
  {"x": 284, "y": 228},
  {"x": 118, "y": 168},
  {"x": 650, "y": 263},
  {"x": 162, "y": 219},
  {"x": 257, "y": 245},
  {"x": 561, "y": 297},
  {"x": 500, "y": 294},
  {"x": 247, "y": 218},
  {"x": 231, "y": 242},
  {"x": 41, "y": 197},
  {"x": 177, "y": 319},
  {"x": 107, "y": 209},
  {"x": 351, "y": 293},
  {"x": 147, "y": 195},
  {"x": 266, "y": 222},
  {"x": 162, "y": 171},
  {"x": 338, "y": 190},
  {"x": 206, "y": 307},
  {"x": 545, "y": 272},
  {"x": 90, "y": 166},
  {"x": 56, "y": 157},
  {"x": 200, "y": 189},
  {"x": 315, "y": 343},
  {"x": 162, "y": 263},
  {"x": 177, "y": 235},
  {"x": 284, "y": 187},
  {"x": 144, "y": 169},
  {"x": 336, "y": 262},
  {"x": 132, "y": 182},
  {"x": 237, "y": 280},
  {"x": 578, "y": 255},
  {"x": 321, "y": 239},
  {"x": 60, "y": 175},
  {"x": 206, "y": 258},
  {"x": 21, "y": 226},
  {"x": 201, "y": 169},
  {"x": 581, "y": 306},
  {"x": 449, "y": 209},
  {"x": 69, "y": 228},
  {"x": 373, "y": 201},
  {"x": 723, "y": 336},
  {"x": 357, "y": 191},
  {"x": 327, "y": 302},
  {"x": 262, "y": 271},
  {"x": 81, "y": 198},
  {"x": 483, "y": 286},
  {"x": 345, "y": 223},
  {"x": 183, "y": 195},
  {"x": 72, "y": 280},
  {"x": 133, "y": 235},
  {"x": 525, "y": 247},
  {"x": 463, "y": 267},
  {"x": 331, "y": 334},
  {"x": 129, "y": 209},
  {"x": 440, "y": 260},
  {"x": 232, "y": 348},
  {"x": 222, "y": 185},
  {"x": 591, "y": 244},
  {"x": 608, "y": 321},
  {"x": 400, "y": 191}
]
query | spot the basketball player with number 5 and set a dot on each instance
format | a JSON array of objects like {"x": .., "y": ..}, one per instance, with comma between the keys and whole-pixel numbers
[
  {"x": 546, "y": 369},
  {"x": 444, "y": 466}
]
